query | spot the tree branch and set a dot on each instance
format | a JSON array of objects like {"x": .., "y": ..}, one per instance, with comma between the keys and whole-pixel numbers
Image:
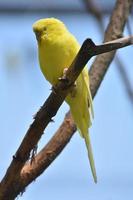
[
  {"x": 12, "y": 183},
  {"x": 93, "y": 7},
  {"x": 51, "y": 106},
  {"x": 96, "y": 11},
  {"x": 114, "y": 30},
  {"x": 47, "y": 155},
  {"x": 125, "y": 79},
  {"x": 48, "y": 110}
]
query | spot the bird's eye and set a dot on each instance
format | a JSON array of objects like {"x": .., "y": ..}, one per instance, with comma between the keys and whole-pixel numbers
[{"x": 45, "y": 28}]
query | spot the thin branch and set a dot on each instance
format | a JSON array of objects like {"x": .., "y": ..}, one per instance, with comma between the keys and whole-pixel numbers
[
  {"x": 96, "y": 11},
  {"x": 54, "y": 147},
  {"x": 93, "y": 7},
  {"x": 113, "y": 31},
  {"x": 125, "y": 79},
  {"x": 56, "y": 144}
]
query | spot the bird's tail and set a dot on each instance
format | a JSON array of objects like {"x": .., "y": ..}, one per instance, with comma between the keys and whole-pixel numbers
[{"x": 90, "y": 155}]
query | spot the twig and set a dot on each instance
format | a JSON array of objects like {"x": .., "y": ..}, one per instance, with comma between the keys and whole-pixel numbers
[
  {"x": 96, "y": 11},
  {"x": 125, "y": 79},
  {"x": 54, "y": 147},
  {"x": 113, "y": 31},
  {"x": 93, "y": 7}
]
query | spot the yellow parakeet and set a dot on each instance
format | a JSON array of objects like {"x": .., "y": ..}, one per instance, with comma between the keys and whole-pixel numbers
[{"x": 57, "y": 48}]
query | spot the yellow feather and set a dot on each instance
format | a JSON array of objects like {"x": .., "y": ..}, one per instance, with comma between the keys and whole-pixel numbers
[{"x": 57, "y": 48}]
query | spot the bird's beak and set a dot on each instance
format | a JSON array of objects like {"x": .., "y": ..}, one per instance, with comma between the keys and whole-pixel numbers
[{"x": 38, "y": 35}]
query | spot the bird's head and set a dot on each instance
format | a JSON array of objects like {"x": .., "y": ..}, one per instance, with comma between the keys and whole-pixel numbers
[{"x": 45, "y": 28}]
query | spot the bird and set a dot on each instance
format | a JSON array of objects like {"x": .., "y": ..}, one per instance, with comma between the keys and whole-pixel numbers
[{"x": 57, "y": 48}]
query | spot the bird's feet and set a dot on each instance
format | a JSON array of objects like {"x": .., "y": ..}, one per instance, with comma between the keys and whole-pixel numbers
[{"x": 64, "y": 78}]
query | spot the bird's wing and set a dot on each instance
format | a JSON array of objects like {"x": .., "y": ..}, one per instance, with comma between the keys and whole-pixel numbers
[{"x": 86, "y": 79}]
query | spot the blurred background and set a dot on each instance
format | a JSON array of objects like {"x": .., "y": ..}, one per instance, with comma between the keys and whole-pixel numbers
[{"x": 23, "y": 90}]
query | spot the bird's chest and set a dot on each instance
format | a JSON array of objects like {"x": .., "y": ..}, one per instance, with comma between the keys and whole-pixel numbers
[{"x": 53, "y": 59}]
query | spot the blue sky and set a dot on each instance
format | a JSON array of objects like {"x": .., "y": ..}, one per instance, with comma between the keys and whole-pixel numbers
[
  {"x": 51, "y": 4},
  {"x": 24, "y": 89}
]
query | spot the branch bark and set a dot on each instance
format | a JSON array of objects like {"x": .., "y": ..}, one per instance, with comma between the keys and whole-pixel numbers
[
  {"x": 57, "y": 143},
  {"x": 96, "y": 11},
  {"x": 114, "y": 30},
  {"x": 17, "y": 176}
]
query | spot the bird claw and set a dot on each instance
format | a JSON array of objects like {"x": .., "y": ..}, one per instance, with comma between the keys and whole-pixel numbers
[
  {"x": 64, "y": 78},
  {"x": 75, "y": 84}
]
